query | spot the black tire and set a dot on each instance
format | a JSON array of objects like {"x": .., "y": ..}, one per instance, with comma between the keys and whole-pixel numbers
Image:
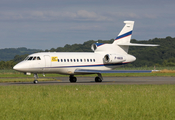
[
  {"x": 73, "y": 79},
  {"x": 97, "y": 79},
  {"x": 35, "y": 81}
]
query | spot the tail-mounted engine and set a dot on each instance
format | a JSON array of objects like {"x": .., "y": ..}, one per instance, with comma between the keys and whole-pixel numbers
[
  {"x": 113, "y": 58},
  {"x": 95, "y": 45}
]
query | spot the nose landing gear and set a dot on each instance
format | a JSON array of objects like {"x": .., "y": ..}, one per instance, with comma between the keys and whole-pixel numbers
[{"x": 36, "y": 77}]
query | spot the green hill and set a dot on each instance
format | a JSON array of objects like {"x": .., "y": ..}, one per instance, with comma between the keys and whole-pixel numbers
[
  {"x": 163, "y": 55},
  {"x": 9, "y": 53}
]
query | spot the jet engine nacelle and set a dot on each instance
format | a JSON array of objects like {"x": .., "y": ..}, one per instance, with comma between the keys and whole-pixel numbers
[
  {"x": 101, "y": 47},
  {"x": 94, "y": 46},
  {"x": 105, "y": 48},
  {"x": 113, "y": 58}
]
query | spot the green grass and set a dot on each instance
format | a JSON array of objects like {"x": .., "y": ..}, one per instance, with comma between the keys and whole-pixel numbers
[{"x": 99, "y": 102}]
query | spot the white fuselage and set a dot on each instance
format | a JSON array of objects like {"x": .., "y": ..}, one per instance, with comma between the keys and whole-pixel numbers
[{"x": 68, "y": 62}]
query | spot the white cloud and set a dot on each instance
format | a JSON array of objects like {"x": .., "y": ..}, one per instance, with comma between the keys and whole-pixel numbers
[
  {"x": 85, "y": 27},
  {"x": 92, "y": 16},
  {"x": 86, "y": 14},
  {"x": 53, "y": 15},
  {"x": 133, "y": 15}
]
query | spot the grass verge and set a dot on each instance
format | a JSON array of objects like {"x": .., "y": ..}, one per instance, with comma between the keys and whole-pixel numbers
[{"x": 88, "y": 102}]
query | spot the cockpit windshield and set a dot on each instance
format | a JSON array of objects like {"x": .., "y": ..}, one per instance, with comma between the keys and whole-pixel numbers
[
  {"x": 26, "y": 58},
  {"x": 32, "y": 58}
]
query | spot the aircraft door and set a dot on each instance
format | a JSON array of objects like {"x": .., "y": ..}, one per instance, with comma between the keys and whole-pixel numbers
[{"x": 47, "y": 62}]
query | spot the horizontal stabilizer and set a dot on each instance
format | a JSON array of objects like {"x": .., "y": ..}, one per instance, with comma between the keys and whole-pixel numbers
[
  {"x": 135, "y": 44},
  {"x": 88, "y": 71}
]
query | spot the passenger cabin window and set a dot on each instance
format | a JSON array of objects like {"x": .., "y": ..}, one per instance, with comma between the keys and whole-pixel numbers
[{"x": 62, "y": 60}]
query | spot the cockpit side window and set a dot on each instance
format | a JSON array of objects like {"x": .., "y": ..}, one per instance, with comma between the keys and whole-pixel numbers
[
  {"x": 34, "y": 58},
  {"x": 38, "y": 58},
  {"x": 30, "y": 58}
]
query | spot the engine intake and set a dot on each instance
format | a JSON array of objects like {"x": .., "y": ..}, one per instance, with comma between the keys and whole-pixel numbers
[
  {"x": 93, "y": 47},
  {"x": 113, "y": 58}
]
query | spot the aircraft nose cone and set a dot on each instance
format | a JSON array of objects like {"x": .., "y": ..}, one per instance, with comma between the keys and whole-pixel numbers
[
  {"x": 21, "y": 66},
  {"x": 16, "y": 67}
]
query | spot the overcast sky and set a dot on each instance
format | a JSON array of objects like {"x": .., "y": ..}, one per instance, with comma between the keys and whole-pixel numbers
[{"x": 45, "y": 24}]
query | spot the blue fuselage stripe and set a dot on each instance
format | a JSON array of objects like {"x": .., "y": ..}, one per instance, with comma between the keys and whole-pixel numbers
[{"x": 97, "y": 65}]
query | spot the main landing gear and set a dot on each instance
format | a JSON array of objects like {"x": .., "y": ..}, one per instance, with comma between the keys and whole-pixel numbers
[
  {"x": 36, "y": 77},
  {"x": 73, "y": 79},
  {"x": 99, "y": 78}
]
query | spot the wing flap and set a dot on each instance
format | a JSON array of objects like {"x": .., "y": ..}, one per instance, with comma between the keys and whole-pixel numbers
[{"x": 135, "y": 44}]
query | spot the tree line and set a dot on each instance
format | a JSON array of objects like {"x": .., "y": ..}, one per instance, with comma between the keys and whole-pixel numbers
[{"x": 163, "y": 55}]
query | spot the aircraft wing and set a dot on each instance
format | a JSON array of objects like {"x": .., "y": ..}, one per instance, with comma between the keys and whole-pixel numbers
[
  {"x": 86, "y": 71},
  {"x": 135, "y": 44}
]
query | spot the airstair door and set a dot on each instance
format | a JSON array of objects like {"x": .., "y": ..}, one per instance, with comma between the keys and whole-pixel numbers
[{"x": 47, "y": 63}]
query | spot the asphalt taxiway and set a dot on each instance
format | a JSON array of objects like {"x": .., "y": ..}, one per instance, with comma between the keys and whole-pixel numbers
[{"x": 106, "y": 80}]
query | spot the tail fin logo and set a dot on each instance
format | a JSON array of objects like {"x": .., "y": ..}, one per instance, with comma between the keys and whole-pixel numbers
[{"x": 124, "y": 35}]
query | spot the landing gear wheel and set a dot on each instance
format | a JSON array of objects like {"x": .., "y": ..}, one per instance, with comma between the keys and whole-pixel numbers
[
  {"x": 35, "y": 81},
  {"x": 36, "y": 77},
  {"x": 72, "y": 79},
  {"x": 97, "y": 79}
]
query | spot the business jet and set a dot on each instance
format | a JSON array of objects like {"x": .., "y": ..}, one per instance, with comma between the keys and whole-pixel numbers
[{"x": 103, "y": 59}]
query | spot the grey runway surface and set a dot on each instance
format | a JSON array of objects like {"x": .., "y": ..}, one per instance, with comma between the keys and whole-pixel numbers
[{"x": 106, "y": 80}]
